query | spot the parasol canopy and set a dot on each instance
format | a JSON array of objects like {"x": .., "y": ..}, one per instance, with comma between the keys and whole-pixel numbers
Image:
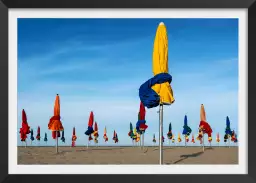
[
  {"x": 90, "y": 137},
  {"x": 204, "y": 126},
  {"x": 154, "y": 138},
  {"x": 169, "y": 134},
  {"x": 158, "y": 89},
  {"x": 114, "y": 135},
  {"x": 218, "y": 138},
  {"x": 228, "y": 130},
  {"x": 45, "y": 137},
  {"x": 141, "y": 124},
  {"x": 25, "y": 129},
  {"x": 134, "y": 137},
  {"x": 193, "y": 139},
  {"x": 74, "y": 134},
  {"x": 130, "y": 134},
  {"x": 186, "y": 129},
  {"x": 179, "y": 139},
  {"x": 32, "y": 135},
  {"x": 233, "y": 136},
  {"x": 90, "y": 124},
  {"x": 38, "y": 133},
  {"x": 55, "y": 123},
  {"x": 105, "y": 137},
  {"x": 63, "y": 137},
  {"x": 95, "y": 133},
  {"x": 173, "y": 139},
  {"x": 116, "y": 139},
  {"x": 137, "y": 137}
]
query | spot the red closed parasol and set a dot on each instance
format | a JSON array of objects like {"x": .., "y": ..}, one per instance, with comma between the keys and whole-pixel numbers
[{"x": 25, "y": 129}]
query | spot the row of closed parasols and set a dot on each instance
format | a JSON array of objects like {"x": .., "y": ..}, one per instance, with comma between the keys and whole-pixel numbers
[
  {"x": 55, "y": 125},
  {"x": 204, "y": 128}
]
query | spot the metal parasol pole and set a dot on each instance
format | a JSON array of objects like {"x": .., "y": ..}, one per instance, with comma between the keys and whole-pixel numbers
[
  {"x": 56, "y": 141},
  {"x": 203, "y": 142},
  {"x": 161, "y": 133},
  {"x": 88, "y": 142},
  {"x": 25, "y": 143},
  {"x": 228, "y": 142},
  {"x": 185, "y": 141},
  {"x": 142, "y": 140}
]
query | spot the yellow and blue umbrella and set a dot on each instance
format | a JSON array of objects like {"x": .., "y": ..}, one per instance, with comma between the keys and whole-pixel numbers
[{"x": 157, "y": 90}]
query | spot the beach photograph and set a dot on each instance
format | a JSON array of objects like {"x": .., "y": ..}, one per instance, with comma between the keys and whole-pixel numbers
[{"x": 127, "y": 91}]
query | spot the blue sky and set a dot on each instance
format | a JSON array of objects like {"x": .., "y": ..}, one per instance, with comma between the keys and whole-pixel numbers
[{"x": 99, "y": 64}]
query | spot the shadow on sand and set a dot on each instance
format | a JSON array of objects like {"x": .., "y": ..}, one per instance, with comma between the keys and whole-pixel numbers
[{"x": 186, "y": 156}]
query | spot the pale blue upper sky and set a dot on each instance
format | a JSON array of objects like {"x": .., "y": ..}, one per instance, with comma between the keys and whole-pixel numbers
[{"x": 99, "y": 64}]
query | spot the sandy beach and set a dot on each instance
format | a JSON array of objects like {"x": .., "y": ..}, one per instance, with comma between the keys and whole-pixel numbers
[{"x": 127, "y": 155}]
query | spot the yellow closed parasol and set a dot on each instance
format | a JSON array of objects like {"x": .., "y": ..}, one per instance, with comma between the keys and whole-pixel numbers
[{"x": 160, "y": 65}]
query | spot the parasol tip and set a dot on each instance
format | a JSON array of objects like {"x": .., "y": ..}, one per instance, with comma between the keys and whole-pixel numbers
[
  {"x": 57, "y": 94},
  {"x": 161, "y": 23}
]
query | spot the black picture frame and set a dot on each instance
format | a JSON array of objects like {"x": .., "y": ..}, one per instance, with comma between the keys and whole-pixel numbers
[{"x": 250, "y": 5}]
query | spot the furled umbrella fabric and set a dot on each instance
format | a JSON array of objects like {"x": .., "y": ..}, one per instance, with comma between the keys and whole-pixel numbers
[
  {"x": 141, "y": 124},
  {"x": 236, "y": 140},
  {"x": 233, "y": 136},
  {"x": 154, "y": 138},
  {"x": 169, "y": 134},
  {"x": 25, "y": 129},
  {"x": 179, "y": 139},
  {"x": 130, "y": 134},
  {"x": 157, "y": 89},
  {"x": 90, "y": 137},
  {"x": 45, "y": 137},
  {"x": 228, "y": 132},
  {"x": 114, "y": 136},
  {"x": 96, "y": 133},
  {"x": 105, "y": 137},
  {"x": 63, "y": 137},
  {"x": 134, "y": 137},
  {"x": 200, "y": 136},
  {"x": 204, "y": 127},
  {"x": 173, "y": 139},
  {"x": 193, "y": 139},
  {"x": 38, "y": 134},
  {"x": 116, "y": 139},
  {"x": 186, "y": 129},
  {"x": 54, "y": 123},
  {"x": 137, "y": 137},
  {"x": 74, "y": 137},
  {"x": 32, "y": 135},
  {"x": 218, "y": 138},
  {"x": 90, "y": 125}
]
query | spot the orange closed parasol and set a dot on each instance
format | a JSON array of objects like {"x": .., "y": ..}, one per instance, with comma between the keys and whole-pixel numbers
[{"x": 55, "y": 123}]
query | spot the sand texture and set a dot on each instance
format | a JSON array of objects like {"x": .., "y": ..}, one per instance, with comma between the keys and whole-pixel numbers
[{"x": 127, "y": 155}]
